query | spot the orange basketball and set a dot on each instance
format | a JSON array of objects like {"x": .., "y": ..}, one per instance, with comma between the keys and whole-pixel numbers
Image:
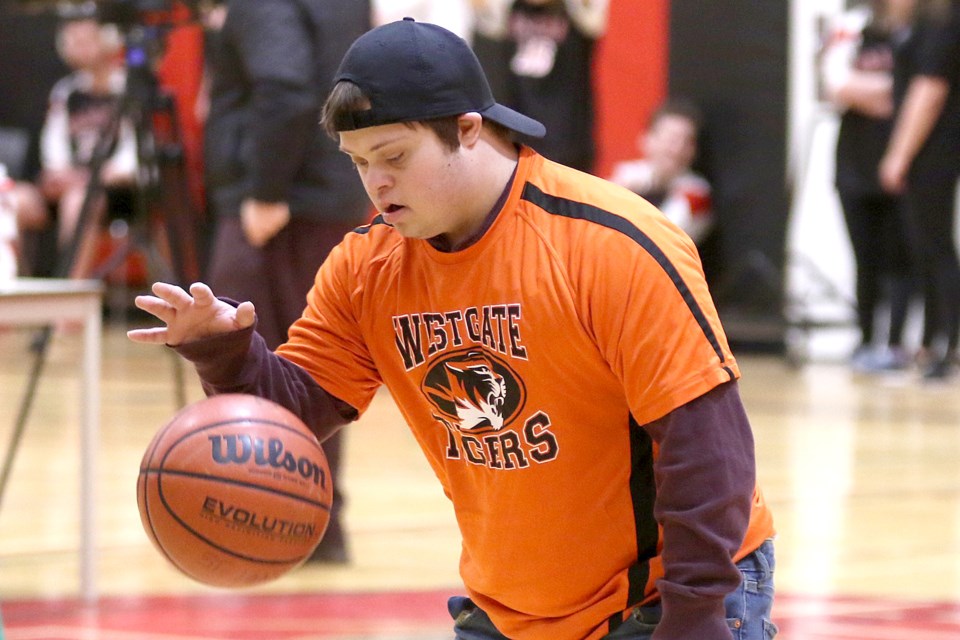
[{"x": 234, "y": 491}]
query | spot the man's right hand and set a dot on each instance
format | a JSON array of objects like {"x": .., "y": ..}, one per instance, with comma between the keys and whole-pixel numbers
[{"x": 189, "y": 316}]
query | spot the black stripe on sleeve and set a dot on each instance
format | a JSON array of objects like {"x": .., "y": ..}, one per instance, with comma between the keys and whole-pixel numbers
[
  {"x": 643, "y": 491},
  {"x": 572, "y": 209}
]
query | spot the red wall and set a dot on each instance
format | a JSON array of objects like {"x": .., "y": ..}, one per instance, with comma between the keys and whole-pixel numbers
[
  {"x": 180, "y": 72},
  {"x": 631, "y": 75}
]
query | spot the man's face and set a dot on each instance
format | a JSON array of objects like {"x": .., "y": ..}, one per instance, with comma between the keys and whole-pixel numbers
[
  {"x": 671, "y": 144},
  {"x": 412, "y": 179},
  {"x": 82, "y": 44}
]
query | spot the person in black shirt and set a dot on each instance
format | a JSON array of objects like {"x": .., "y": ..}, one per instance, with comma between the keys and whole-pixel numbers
[
  {"x": 539, "y": 56},
  {"x": 857, "y": 69},
  {"x": 922, "y": 162},
  {"x": 282, "y": 193}
]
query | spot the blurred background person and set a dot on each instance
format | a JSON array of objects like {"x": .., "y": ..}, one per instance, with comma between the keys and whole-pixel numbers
[
  {"x": 538, "y": 56},
  {"x": 664, "y": 173},
  {"x": 453, "y": 15},
  {"x": 29, "y": 67},
  {"x": 922, "y": 162},
  {"x": 282, "y": 193},
  {"x": 22, "y": 208},
  {"x": 82, "y": 115},
  {"x": 30, "y": 214},
  {"x": 857, "y": 71},
  {"x": 211, "y": 16},
  {"x": 8, "y": 227}
]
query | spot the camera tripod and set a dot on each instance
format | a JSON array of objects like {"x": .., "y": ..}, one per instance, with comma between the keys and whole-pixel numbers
[{"x": 163, "y": 221}]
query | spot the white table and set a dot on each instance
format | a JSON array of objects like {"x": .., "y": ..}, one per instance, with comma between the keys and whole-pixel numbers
[{"x": 44, "y": 301}]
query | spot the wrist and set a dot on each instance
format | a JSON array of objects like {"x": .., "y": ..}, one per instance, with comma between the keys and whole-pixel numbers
[{"x": 686, "y": 615}]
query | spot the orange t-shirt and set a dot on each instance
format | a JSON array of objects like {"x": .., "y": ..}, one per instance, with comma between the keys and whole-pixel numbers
[{"x": 523, "y": 364}]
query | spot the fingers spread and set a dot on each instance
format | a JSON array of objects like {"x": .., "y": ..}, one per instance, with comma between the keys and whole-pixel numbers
[
  {"x": 202, "y": 294},
  {"x": 245, "y": 315},
  {"x": 173, "y": 294},
  {"x": 156, "y": 335},
  {"x": 157, "y": 307}
]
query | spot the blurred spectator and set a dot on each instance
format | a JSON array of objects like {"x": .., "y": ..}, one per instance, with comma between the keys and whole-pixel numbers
[
  {"x": 453, "y": 15},
  {"x": 538, "y": 55},
  {"x": 30, "y": 206},
  {"x": 22, "y": 207},
  {"x": 663, "y": 175},
  {"x": 212, "y": 16},
  {"x": 30, "y": 209},
  {"x": 29, "y": 67},
  {"x": 82, "y": 115},
  {"x": 857, "y": 70},
  {"x": 282, "y": 192},
  {"x": 922, "y": 162}
]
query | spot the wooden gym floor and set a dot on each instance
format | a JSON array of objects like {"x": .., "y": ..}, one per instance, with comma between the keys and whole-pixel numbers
[{"x": 863, "y": 476}]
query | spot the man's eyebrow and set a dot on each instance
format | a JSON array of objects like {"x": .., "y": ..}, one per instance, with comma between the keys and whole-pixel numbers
[{"x": 375, "y": 147}]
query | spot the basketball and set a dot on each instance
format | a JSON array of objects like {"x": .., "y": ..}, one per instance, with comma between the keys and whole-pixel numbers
[{"x": 234, "y": 491}]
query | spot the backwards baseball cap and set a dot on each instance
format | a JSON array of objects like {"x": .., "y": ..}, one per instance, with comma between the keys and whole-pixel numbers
[{"x": 418, "y": 71}]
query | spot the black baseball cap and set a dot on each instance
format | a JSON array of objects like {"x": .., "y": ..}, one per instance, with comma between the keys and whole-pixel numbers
[{"x": 418, "y": 71}]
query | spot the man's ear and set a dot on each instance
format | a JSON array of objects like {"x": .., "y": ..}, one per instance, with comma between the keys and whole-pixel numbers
[{"x": 469, "y": 126}]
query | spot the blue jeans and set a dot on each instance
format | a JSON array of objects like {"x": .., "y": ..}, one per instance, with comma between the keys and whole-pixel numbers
[{"x": 748, "y": 608}]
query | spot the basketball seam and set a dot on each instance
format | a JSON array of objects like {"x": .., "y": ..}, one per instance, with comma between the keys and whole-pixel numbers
[
  {"x": 211, "y": 543},
  {"x": 154, "y": 445},
  {"x": 231, "y": 481}
]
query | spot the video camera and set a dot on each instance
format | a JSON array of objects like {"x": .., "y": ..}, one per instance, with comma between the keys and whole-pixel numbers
[
  {"x": 125, "y": 14},
  {"x": 128, "y": 13},
  {"x": 142, "y": 24}
]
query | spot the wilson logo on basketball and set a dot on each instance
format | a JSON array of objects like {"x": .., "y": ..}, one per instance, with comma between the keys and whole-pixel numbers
[{"x": 242, "y": 448}]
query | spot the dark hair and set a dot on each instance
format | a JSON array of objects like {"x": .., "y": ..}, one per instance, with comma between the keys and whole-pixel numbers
[
  {"x": 346, "y": 97},
  {"x": 683, "y": 107}
]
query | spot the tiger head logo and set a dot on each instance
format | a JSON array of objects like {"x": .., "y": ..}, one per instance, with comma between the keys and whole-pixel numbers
[{"x": 473, "y": 391}]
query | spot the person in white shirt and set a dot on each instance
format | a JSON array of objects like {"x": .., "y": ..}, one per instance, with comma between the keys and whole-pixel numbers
[
  {"x": 663, "y": 175},
  {"x": 81, "y": 115}
]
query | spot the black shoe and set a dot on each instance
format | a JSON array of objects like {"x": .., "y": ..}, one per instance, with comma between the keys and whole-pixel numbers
[
  {"x": 329, "y": 553},
  {"x": 940, "y": 370},
  {"x": 332, "y": 549}
]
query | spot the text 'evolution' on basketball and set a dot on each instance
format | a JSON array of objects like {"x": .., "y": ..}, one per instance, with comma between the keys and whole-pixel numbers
[{"x": 220, "y": 510}]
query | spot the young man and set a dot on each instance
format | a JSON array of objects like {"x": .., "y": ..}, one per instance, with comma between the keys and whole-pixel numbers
[
  {"x": 551, "y": 342},
  {"x": 664, "y": 174}
]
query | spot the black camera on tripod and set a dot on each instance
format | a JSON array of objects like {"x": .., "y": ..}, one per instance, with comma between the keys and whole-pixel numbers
[
  {"x": 162, "y": 213},
  {"x": 130, "y": 13},
  {"x": 123, "y": 13},
  {"x": 163, "y": 224},
  {"x": 142, "y": 23}
]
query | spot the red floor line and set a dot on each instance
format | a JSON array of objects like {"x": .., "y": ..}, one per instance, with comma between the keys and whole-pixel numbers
[{"x": 410, "y": 615}]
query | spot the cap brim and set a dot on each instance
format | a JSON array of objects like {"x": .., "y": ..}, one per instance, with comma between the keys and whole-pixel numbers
[{"x": 514, "y": 120}]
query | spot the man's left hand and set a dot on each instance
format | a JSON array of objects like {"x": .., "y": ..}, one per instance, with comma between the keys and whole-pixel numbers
[{"x": 263, "y": 220}]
